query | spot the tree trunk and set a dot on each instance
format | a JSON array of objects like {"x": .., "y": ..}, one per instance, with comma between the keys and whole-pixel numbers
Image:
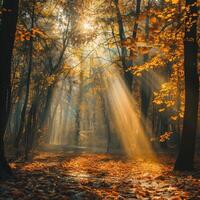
[
  {"x": 146, "y": 80},
  {"x": 7, "y": 37},
  {"x": 124, "y": 54},
  {"x": 78, "y": 112},
  {"x": 23, "y": 113},
  {"x": 31, "y": 126},
  {"x": 185, "y": 158},
  {"x": 106, "y": 121}
]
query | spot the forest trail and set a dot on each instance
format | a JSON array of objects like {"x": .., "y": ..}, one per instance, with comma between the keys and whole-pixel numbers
[{"x": 79, "y": 176}]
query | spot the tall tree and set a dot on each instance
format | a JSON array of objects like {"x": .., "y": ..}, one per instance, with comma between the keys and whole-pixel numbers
[
  {"x": 79, "y": 102},
  {"x": 28, "y": 81},
  {"x": 146, "y": 79},
  {"x": 126, "y": 56},
  {"x": 185, "y": 158},
  {"x": 7, "y": 37},
  {"x": 124, "y": 53}
]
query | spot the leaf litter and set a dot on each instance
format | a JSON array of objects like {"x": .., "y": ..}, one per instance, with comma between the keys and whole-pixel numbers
[{"x": 63, "y": 176}]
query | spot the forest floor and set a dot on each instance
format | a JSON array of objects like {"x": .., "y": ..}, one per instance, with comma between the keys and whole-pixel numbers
[{"x": 82, "y": 176}]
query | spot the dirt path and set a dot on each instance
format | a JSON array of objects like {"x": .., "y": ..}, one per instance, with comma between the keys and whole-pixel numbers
[{"x": 62, "y": 176}]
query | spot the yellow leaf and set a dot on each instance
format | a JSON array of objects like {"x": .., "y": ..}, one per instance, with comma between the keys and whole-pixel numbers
[
  {"x": 153, "y": 20},
  {"x": 161, "y": 110},
  {"x": 174, "y": 118},
  {"x": 175, "y": 1}
]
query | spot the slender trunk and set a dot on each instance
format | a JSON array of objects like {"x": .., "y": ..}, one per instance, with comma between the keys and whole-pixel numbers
[
  {"x": 18, "y": 108},
  {"x": 107, "y": 122},
  {"x": 124, "y": 54},
  {"x": 23, "y": 113},
  {"x": 178, "y": 128},
  {"x": 164, "y": 127},
  {"x": 146, "y": 84},
  {"x": 145, "y": 81},
  {"x": 78, "y": 113},
  {"x": 28, "y": 132},
  {"x": 44, "y": 114},
  {"x": 135, "y": 27},
  {"x": 31, "y": 126}
]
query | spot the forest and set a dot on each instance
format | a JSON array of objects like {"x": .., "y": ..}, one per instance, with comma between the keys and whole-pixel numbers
[{"x": 99, "y": 99}]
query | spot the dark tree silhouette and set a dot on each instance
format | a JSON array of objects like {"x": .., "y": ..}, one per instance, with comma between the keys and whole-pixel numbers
[
  {"x": 30, "y": 64},
  {"x": 7, "y": 37},
  {"x": 187, "y": 149}
]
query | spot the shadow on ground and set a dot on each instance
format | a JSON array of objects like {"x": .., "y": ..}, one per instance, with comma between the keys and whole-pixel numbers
[{"x": 72, "y": 175}]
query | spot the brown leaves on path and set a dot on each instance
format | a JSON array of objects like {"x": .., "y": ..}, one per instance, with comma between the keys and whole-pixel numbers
[{"x": 63, "y": 176}]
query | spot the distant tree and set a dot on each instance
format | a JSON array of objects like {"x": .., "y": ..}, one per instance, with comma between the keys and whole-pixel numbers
[
  {"x": 126, "y": 55},
  {"x": 7, "y": 37},
  {"x": 187, "y": 148}
]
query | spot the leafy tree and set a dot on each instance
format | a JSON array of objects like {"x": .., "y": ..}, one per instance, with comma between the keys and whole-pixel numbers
[{"x": 185, "y": 160}]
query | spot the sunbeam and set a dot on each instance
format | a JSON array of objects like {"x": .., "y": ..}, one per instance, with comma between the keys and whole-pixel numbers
[{"x": 126, "y": 116}]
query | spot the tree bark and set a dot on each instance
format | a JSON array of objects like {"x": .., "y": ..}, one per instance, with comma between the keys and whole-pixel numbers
[
  {"x": 7, "y": 37},
  {"x": 124, "y": 54},
  {"x": 185, "y": 159},
  {"x": 146, "y": 78},
  {"x": 28, "y": 81},
  {"x": 78, "y": 112}
]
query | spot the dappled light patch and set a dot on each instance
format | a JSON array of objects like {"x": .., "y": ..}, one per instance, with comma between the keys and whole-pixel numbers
[
  {"x": 99, "y": 176},
  {"x": 96, "y": 99},
  {"x": 37, "y": 166}
]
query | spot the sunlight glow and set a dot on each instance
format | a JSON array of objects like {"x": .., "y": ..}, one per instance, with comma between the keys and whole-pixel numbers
[
  {"x": 88, "y": 26},
  {"x": 101, "y": 113},
  {"x": 125, "y": 116}
]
